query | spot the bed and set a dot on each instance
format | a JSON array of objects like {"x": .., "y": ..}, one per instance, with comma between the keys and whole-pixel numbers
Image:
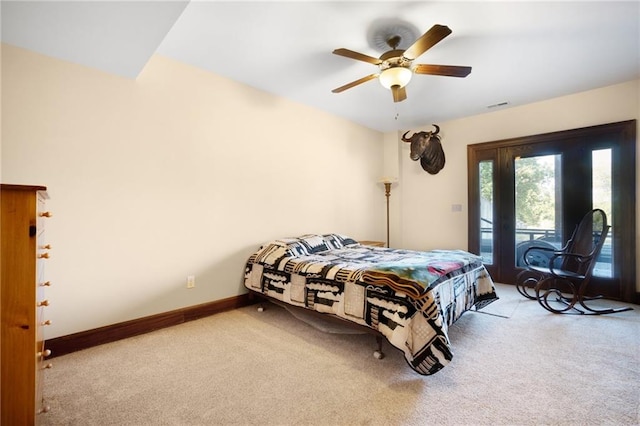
[{"x": 409, "y": 297}]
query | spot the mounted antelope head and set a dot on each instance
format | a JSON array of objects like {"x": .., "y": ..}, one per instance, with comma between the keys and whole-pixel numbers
[{"x": 426, "y": 147}]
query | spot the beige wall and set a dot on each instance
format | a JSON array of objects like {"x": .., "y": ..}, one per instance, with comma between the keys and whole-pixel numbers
[
  {"x": 426, "y": 219},
  {"x": 180, "y": 172},
  {"x": 183, "y": 172}
]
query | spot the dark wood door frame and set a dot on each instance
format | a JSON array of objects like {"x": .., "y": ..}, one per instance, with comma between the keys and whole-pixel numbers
[{"x": 623, "y": 201}]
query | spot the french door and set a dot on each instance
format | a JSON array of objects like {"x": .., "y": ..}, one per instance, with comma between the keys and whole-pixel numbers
[{"x": 535, "y": 190}]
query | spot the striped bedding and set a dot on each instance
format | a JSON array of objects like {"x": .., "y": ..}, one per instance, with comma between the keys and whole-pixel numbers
[{"x": 410, "y": 297}]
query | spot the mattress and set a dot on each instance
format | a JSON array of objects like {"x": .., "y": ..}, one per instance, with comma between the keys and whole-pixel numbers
[{"x": 410, "y": 297}]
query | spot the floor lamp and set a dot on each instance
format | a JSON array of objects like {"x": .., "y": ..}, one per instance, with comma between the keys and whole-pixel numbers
[{"x": 387, "y": 181}]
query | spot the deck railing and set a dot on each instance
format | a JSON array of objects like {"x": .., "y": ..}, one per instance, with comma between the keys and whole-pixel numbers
[{"x": 526, "y": 235}]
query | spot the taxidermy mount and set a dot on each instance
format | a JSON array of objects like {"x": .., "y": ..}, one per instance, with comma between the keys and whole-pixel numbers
[{"x": 426, "y": 147}]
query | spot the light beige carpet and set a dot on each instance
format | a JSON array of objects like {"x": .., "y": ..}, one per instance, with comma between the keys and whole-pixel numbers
[{"x": 245, "y": 367}]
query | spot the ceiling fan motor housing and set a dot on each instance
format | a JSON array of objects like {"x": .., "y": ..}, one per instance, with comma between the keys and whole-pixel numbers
[{"x": 393, "y": 58}]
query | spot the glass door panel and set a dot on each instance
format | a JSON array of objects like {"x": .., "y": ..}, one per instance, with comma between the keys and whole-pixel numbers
[
  {"x": 486, "y": 211},
  {"x": 602, "y": 190},
  {"x": 538, "y": 201}
]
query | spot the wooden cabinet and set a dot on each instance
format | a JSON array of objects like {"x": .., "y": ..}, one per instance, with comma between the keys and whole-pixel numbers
[{"x": 23, "y": 253}]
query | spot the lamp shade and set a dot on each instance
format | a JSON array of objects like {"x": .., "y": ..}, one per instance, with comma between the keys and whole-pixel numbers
[
  {"x": 388, "y": 179},
  {"x": 395, "y": 76}
]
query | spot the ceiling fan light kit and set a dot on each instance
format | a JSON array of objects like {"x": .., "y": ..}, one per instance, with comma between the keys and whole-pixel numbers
[
  {"x": 396, "y": 67},
  {"x": 396, "y": 76}
]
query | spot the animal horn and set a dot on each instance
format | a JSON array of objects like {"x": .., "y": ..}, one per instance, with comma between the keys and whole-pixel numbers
[
  {"x": 437, "y": 129},
  {"x": 404, "y": 138}
]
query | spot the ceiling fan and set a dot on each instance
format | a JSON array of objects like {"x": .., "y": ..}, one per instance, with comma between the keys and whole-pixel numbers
[{"x": 396, "y": 65}]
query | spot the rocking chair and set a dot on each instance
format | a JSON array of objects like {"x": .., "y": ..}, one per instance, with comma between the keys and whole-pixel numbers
[{"x": 561, "y": 285}]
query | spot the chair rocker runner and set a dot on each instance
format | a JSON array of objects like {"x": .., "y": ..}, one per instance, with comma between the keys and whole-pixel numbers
[{"x": 561, "y": 285}]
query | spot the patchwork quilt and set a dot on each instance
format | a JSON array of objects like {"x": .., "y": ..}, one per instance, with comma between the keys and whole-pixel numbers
[{"x": 410, "y": 297}]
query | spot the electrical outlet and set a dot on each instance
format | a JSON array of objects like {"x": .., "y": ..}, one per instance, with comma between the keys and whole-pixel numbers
[{"x": 191, "y": 281}]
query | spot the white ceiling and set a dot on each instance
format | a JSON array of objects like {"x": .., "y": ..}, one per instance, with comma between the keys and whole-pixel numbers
[{"x": 520, "y": 51}]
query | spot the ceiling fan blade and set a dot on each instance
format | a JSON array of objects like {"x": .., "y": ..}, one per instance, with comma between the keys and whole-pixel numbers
[
  {"x": 426, "y": 41},
  {"x": 354, "y": 83},
  {"x": 358, "y": 56},
  {"x": 446, "y": 70},
  {"x": 399, "y": 93}
]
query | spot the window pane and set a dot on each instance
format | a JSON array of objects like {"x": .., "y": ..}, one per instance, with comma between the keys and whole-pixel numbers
[
  {"x": 486, "y": 211},
  {"x": 602, "y": 190},
  {"x": 537, "y": 199}
]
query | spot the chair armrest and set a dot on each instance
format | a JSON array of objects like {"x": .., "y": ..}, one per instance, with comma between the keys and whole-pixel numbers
[{"x": 558, "y": 272}]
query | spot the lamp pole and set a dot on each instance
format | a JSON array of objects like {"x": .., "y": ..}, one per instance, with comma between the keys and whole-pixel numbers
[{"x": 387, "y": 193}]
